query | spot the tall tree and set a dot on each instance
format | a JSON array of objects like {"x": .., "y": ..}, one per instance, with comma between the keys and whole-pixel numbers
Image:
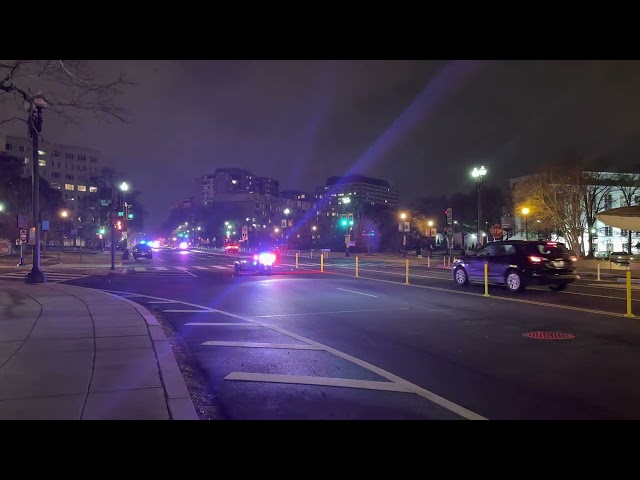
[{"x": 594, "y": 188}]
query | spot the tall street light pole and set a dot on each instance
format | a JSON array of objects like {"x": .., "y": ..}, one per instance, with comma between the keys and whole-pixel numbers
[
  {"x": 478, "y": 174},
  {"x": 125, "y": 252},
  {"x": 35, "y": 106},
  {"x": 525, "y": 212}
]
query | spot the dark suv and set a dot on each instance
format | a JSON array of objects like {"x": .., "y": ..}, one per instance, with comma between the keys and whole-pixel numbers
[{"x": 518, "y": 263}]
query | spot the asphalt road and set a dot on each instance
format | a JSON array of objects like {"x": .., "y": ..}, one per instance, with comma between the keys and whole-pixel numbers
[{"x": 301, "y": 344}]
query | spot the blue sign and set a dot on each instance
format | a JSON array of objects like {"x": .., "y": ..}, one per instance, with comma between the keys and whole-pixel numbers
[{"x": 45, "y": 225}]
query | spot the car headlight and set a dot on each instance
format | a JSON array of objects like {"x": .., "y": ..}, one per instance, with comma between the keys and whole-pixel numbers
[{"x": 267, "y": 258}]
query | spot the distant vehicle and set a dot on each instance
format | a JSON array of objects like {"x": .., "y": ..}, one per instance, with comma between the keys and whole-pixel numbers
[
  {"x": 260, "y": 262},
  {"x": 517, "y": 264},
  {"x": 622, "y": 257},
  {"x": 232, "y": 248},
  {"x": 142, "y": 250}
]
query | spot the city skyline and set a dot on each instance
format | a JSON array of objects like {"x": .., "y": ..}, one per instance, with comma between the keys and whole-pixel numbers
[{"x": 422, "y": 125}]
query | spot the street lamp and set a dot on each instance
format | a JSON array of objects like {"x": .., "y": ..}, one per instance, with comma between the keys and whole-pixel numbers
[
  {"x": 403, "y": 216},
  {"x": 35, "y": 106},
  {"x": 478, "y": 174},
  {"x": 314, "y": 228},
  {"x": 277, "y": 230},
  {"x": 287, "y": 211},
  {"x": 525, "y": 211},
  {"x": 125, "y": 253}
]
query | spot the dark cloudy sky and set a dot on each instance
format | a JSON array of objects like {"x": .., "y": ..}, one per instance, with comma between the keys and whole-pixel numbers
[{"x": 420, "y": 124}]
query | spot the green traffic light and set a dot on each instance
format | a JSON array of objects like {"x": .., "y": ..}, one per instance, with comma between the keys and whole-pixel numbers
[
  {"x": 130, "y": 216},
  {"x": 351, "y": 222},
  {"x": 344, "y": 223}
]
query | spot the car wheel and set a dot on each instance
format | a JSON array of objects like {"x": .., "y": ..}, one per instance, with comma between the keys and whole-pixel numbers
[
  {"x": 558, "y": 288},
  {"x": 514, "y": 282},
  {"x": 461, "y": 277}
]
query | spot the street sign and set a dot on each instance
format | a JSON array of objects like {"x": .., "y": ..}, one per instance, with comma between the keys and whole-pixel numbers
[
  {"x": 45, "y": 225},
  {"x": 23, "y": 221},
  {"x": 32, "y": 236},
  {"x": 496, "y": 231},
  {"x": 23, "y": 236},
  {"x": 245, "y": 233},
  {"x": 283, "y": 223},
  {"x": 434, "y": 232},
  {"x": 508, "y": 222},
  {"x": 449, "y": 216}
]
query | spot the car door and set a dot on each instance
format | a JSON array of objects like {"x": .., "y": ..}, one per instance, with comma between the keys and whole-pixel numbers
[
  {"x": 500, "y": 262},
  {"x": 476, "y": 264}
]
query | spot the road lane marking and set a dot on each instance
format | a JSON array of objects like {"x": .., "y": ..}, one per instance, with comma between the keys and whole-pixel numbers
[
  {"x": 422, "y": 392},
  {"x": 161, "y": 268},
  {"x": 221, "y": 324},
  {"x": 187, "y": 311},
  {"x": 161, "y": 301},
  {"x": 184, "y": 269},
  {"x": 359, "y": 293},
  {"x": 220, "y": 267},
  {"x": 320, "y": 381},
  {"x": 330, "y": 313},
  {"x": 199, "y": 267},
  {"x": 494, "y": 297},
  {"x": 287, "y": 346},
  {"x": 139, "y": 269},
  {"x": 585, "y": 294}
]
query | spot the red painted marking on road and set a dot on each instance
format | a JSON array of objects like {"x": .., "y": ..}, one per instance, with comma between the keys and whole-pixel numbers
[{"x": 549, "y": 335}]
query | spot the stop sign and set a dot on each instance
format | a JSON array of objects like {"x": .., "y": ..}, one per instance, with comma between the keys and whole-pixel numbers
[{"x": 496, "y": 231}]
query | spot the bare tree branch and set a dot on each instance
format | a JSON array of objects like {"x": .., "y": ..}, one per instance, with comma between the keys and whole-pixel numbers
[{"x": 71, "y": 88}]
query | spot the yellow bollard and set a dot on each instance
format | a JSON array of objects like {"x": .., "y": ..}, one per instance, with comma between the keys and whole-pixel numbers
[
  {"x": 297, "y": 255},
  {"x": 357, "y": 275},
  {"x": 598, "y": 279},
  {"x": 406, "y": 281},
  {"x": 486, "y": 280},
  {"x": 629, "y": 314},
  {"x": 322, "y": 263},
  {"x": 428, "y": 262},
  {"x": 444, "y": 261}
]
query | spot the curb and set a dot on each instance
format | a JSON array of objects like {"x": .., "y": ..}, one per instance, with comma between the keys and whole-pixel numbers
[{"x": 178, "y": 398}]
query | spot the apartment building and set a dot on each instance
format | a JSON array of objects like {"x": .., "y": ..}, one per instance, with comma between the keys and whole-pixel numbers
[{"x": 71, "y": 169}]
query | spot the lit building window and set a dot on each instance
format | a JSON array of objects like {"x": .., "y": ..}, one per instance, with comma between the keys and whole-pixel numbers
[
  {"x": 93, "y": 189},
  {"x": 26, "y": 160},
  {"x": 42, "y": 163},
  {"x": 82, "y": 188},
  {"x": 41, "y": 152},
  {"x": 68, "y": 186}
]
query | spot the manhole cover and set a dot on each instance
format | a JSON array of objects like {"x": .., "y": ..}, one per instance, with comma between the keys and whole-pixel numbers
[{"x": 549, "y": 335}]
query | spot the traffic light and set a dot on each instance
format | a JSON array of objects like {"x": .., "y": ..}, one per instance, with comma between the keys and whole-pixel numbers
[
  {"x": 343, "y": 222},
  {"x": 102, "y": 230},
  {"x": 119, "y": 225},
  {"x": 130, "y": 215},
  {"x": 121, "y": 214},
  {"x": 350, "y": 218},
  {"x": 449, "y": 214}
]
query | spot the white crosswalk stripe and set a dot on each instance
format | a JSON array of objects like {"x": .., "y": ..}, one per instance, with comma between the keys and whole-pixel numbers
[{"x": 52, "y": 277}]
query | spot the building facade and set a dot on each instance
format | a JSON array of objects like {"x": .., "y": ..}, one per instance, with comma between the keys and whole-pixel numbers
[
  {"x": 606, "y": 239},
  {"x": 73, "y": 170}
]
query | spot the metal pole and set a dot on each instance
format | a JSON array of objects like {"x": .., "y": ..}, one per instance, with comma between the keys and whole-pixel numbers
[
  {"x": 114, "y": 210},
  {"x": 629, "y": 314},
  {"x": 486, "y": 279},
  {"x": 478, "y": 226},
  {"x": 357, "y": 273},
  {"x": 406, "y": 277},
  {"x": 35, "y": 127}
]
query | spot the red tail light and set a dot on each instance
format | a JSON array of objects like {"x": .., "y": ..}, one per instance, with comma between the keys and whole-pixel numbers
[
  {"x": 535, "y": 259},
  {"x": 255, "y": 257}
]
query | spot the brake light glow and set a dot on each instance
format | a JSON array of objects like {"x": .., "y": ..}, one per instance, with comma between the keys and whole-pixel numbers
[
  {"x": 255, "y": 257},
  {"x": 535, "y": 259},
  {"x": 574, "y": 258},
  {"x": 552, "y": 244}
]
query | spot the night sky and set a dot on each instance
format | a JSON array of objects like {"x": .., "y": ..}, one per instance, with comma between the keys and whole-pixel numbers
[{"x": 420, "y": 124}]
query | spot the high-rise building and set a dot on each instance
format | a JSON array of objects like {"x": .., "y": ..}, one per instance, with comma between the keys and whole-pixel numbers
[
  {"x": 267, "y": 186},
  {"x": 73, "y": 170}
]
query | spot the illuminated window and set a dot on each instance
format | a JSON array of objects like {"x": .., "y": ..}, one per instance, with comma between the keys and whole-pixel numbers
[
  {"x": 42, "y": 163},
  {"x": 55, "y": 185},
  {"x": 41, "y": 152},
  {"x": 68, "y": 186},
  {"x": 93, "y": 189},
  {"x": 82, "y": 188}
]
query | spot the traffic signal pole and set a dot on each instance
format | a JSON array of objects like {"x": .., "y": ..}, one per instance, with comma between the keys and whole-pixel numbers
[{"x": 112, "y": 227}]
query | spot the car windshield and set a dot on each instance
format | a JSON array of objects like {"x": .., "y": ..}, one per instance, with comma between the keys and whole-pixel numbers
[{"x": 143, "y": 246}]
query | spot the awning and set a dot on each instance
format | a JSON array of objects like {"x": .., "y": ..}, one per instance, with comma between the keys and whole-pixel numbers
[{"x": 627, "y": 218}]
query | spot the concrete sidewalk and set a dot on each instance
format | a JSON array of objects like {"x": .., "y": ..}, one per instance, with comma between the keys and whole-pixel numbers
[{"x": 75, "y": 353}]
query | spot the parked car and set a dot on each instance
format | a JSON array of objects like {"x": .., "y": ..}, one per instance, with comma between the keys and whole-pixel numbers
[
  {"x": 517, "y": 264},
  {"x": 621, "y": 257}
]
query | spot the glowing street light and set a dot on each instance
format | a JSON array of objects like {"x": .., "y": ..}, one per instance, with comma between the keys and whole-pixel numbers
[
  {"x": 287, "y": 211},
  {"x": 124, "y": 187},
  {"x": 403, "y": 216},
  {"x": 277, "y": 230},
  {"x": 314, "y": 228},
  {"x": 430, "y": 223},
  {"x": 346, "y": 200}
]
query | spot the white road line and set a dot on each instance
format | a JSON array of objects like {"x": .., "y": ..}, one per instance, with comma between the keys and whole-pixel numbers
[
  {"x": 161, "y": 301},
  {"x": 205, "y": 324},
  {"x": 199, "y": 268},
  {"x": 287, "y": 346},
  {"x": 411, "y": 387},
  {"x": 219, "y": 267},
  {"x": 183, "y": 269},
  {"x": 161, "y": 268},
  {"x": 139, "y": 269},
  {"x": 188, "y": 311},
  {"x": 321, "y": 381},
  {"x": 359, "y": 293},
  {"x": 331, "y": 313}
]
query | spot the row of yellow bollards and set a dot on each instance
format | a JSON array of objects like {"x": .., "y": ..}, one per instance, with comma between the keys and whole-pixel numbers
[{"x": 486, "y": 277}]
